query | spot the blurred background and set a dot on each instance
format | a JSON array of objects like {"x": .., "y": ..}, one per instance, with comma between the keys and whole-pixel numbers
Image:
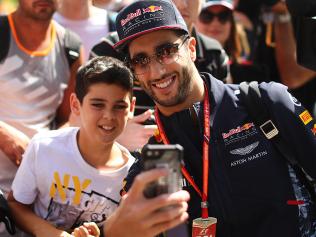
[{"x": 7, "y": 6}]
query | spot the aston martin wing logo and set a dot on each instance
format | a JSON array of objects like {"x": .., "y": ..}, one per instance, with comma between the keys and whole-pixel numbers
[{"x": 244, "y": 150}]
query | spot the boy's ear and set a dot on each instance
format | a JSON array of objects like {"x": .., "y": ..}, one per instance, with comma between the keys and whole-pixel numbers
[
  {"x": 192, "y": 48},
  {"x": 132, "y": 108},
  {"x": 74, "y": 104}
]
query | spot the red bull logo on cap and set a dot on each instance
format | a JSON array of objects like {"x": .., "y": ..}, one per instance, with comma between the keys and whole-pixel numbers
[
  {"x": 138, "y": 12},
  {"x": 131, "y": 16},
  {"x": 152, "y": 9}
]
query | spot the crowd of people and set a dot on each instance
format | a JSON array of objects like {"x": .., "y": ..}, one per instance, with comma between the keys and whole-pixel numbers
[{"x": 86, "y": 84}]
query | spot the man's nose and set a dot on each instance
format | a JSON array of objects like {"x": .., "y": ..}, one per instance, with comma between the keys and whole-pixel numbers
[{"x": 156, "y": 69}]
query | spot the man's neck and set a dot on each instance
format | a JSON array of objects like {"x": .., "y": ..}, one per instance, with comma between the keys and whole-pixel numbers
[
  {"x": 196, "y": 95},
  {"x": 33, "y": 34},
  {"x": 76, "y": 10}
]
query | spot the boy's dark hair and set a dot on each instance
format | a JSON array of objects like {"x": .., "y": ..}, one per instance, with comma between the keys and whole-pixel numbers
[{"x": 103, "y": 70}]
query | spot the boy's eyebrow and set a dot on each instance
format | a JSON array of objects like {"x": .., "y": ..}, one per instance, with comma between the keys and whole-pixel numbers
[
  {"x": 104, "y": 100},
  {"x": 97, "y": 99}
]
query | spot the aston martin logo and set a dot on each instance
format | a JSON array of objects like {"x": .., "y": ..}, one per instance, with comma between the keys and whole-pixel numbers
[{"x": 244, "y": 150}]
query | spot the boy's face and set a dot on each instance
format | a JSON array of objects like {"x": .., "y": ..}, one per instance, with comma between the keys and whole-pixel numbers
[{"x": 104, "y": 112}]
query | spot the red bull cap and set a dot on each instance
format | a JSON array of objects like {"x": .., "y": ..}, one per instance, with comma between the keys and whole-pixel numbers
[{"x": 145, "y": 16}]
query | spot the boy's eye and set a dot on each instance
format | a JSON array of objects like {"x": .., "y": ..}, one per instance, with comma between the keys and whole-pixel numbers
[
  {"x": 97, "y": 105},
  {"x": 120, "y": 107}
]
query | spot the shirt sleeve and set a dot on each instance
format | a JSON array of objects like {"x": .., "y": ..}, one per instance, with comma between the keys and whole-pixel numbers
[
  {"x": 295, "y": 124},
  {"x": 24, "y": 186}
]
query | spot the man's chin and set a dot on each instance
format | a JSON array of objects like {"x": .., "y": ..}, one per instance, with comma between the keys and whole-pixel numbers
[{"x": 175, "y": 101}]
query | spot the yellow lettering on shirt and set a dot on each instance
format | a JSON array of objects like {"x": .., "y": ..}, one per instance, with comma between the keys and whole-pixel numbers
[
  {"x": 79, "y": 188},
  {"x": 57, "y": 185}
]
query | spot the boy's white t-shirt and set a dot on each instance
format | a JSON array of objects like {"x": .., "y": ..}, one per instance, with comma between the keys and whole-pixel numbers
[{"x": 65, "y": 190}]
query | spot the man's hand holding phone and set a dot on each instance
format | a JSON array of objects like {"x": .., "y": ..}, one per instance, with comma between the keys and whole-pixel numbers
[{"x": 140, "y": 216}]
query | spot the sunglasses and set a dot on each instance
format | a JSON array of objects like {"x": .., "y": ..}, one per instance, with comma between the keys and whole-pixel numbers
[
  {"x": 165, "y": 54},
  {"x": 207, "y": 17}
]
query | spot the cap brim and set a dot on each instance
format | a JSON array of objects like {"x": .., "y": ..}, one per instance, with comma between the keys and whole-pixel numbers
[
  {"x": 123, "y": 43},
  {"x": 218, "y": 3}
]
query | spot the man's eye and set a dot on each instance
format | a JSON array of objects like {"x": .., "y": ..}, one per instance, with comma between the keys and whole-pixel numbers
[
  {"x": 142, "y": 61},
  {"x": 167, "y": 51}
]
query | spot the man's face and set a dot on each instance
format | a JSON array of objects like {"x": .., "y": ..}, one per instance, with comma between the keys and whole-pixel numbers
[
  {"x": 38, "y": 9},
  {"x": 190, "y": 10},
  {"x": 168, "y": 84}
]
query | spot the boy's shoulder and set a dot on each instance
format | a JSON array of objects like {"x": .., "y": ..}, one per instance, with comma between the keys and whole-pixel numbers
[{"x": 55, "y": 135}]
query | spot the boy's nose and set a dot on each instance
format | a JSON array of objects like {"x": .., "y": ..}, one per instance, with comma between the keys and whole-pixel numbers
[{"x": 108, "y": 114}]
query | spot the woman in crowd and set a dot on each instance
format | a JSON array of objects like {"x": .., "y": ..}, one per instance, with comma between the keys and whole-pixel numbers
[{"x": 217, "y": 21}]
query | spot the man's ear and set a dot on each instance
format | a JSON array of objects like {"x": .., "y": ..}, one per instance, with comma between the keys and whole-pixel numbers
[
  {"x": 74, "y": 104},
  {"x": 132, "y": 108},
  {"x": 192, "y": 48}
]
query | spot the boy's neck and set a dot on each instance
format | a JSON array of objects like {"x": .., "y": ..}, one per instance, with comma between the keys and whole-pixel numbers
[{"x": 106, "y": 157}]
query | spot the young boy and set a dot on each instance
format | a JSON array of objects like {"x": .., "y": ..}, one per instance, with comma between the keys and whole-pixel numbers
[{"x": 74, "y": 175}]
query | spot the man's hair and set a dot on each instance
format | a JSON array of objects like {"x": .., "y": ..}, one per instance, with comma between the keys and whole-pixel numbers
[{"x": 103, "y": 69}]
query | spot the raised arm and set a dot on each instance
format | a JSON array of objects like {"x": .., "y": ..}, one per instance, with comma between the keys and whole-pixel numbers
[{"x": 292, "y": 74}]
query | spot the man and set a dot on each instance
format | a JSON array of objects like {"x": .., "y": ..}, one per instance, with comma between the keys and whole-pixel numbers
[
  {"x": 300, "y": 80},
  {"x": 210, "y": 56},
  {"x": 36, "y": 81},
  {"x": 245, "y": 183},
  {"x": 89, "y": 22}
]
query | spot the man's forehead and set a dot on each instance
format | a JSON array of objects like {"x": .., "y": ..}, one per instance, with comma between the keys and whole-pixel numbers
[{"x": 150, "y": 41}]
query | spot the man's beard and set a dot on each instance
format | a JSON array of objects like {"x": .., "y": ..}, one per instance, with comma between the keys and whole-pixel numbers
[
  {"x": 44, "y": 14},
  {"x": 184, "y": 89}
]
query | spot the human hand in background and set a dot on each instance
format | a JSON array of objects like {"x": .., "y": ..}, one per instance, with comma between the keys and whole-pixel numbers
[
  {"x": 12, "y": 142},
  {"x": 136, "y": 134},
  {"x": 88, "y": 229}
]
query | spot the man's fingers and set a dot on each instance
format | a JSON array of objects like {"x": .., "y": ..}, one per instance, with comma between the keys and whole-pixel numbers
[
  {"x": 167, "y": 200},
  {"x": 162, "y": 227},
  {"x": 142, "y": 180},
  {"x": 166, "y": 214}
]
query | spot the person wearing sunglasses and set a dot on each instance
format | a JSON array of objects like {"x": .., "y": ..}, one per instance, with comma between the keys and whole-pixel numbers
[
  {"x": 210, "y": 54},
  {"x": 217, "y": 20},
  {"x": 211, "y": 58},
  {"x": 232, "y": 170}
]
